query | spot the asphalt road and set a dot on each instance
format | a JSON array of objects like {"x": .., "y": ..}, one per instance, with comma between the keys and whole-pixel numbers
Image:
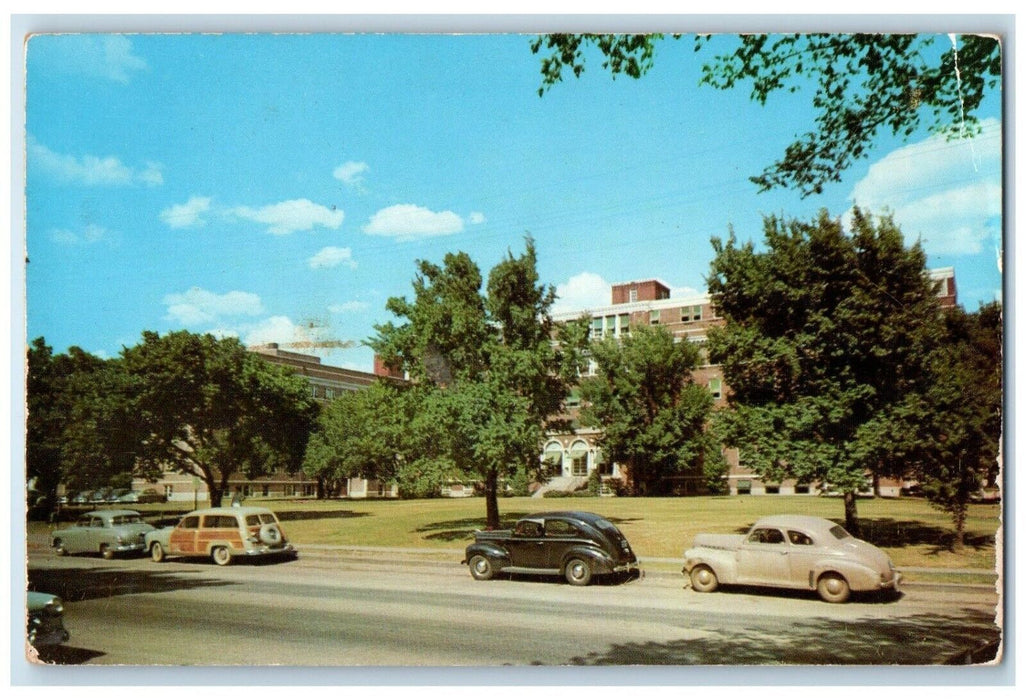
[{"x": 338, "y": 611}]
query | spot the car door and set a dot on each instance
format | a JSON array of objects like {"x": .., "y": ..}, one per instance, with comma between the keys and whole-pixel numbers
[
  {"x": 183, "y": 537},
  {"x": 527, "y": 546},
  {"x": 763, "y": 558},
  {"x": 78, "y": 537},
  {"x": 803, "y": 557},
  {"x": 560, "y": 536}
]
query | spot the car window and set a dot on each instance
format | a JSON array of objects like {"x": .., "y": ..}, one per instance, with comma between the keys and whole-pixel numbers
[
  {"x": 220, "y": 521},
  {"x": 252, "y": 520},
  {"x": 84, "y": 522},
  {"x": 267, "y": 518},
  {"x": 766, "y": 535},
  {"x": 190, "y": 523},
  {"x": 528, "y": 528},
  {"x": 96, "y": 522},
  {"x": 839, "y": 532},
  {"x": 799, "y": 538},
  {"x": 559, "y": 528}
]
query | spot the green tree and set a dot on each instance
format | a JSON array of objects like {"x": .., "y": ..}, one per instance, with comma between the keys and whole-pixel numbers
[
  {"x": 486, "y": 365},
  {"x": 959, "y": 417},
  {"x": 652, "y": 414},
  {"x": 210, "y": 408},
  {"x": 862, "y": 84},
  {"x": 49, "y": 403},
  {"x": 359, "y": 434},
  {"x": 826, "y": 336}
]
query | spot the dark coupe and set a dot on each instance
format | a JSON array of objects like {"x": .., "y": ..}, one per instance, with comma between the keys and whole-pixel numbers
[{"x": 573, "y": 544}]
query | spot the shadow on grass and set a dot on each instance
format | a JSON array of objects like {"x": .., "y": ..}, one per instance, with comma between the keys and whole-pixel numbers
[
  {"x": 892, "y": 533},
  {"x": 463, "y": 529}
]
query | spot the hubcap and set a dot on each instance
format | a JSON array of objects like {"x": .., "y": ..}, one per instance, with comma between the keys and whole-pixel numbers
[
  {"x": 577, "y": 570},
  {"x": 481, "y": 566}
]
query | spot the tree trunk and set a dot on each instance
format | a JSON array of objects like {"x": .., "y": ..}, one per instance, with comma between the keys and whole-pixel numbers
[
  {"x": 492, "y": 500},
  {"x": 851, "y": 515},
  {"x": 959, "y": 516}
]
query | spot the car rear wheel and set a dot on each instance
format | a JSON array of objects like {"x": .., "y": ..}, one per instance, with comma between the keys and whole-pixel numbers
[
  {"x": 221, "y": 556},
  {"x": 106, "y": 552},
  {"x": 481, "y": 568},
  {"x": 578, "y": 572},
  {"x": 703, "y": 579},
  {"x": 833, "y": 588},
  {"x": 157, "y": 552}
]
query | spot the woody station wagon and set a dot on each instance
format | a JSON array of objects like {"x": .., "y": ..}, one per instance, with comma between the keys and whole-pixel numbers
[{"x": 222, "y": 534}]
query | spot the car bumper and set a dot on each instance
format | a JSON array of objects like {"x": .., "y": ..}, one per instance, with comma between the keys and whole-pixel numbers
[
  {"x": 286, "y": 551},
  {"x": 892, "y": 584},
  {"x": 632, "y": 567},
  {"x": 48, "y": 634},
  {"x": 133, "y": 547}
]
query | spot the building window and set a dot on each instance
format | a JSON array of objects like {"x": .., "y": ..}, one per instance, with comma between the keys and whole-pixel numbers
[
  {"x": 579, "y": 459},
  {"x": 691, "y": 313},
  {"x": 266, "y": 490},
  {"x": 633, "y": 294},
  {"x": 653, "y": 317},
  {"x": 329, "y": 393},
  {"x": 625, "y": 324},
  {"x": 610, "y": 325},
  {"x": 596, "y": 328},
  {"x": 716, "y": 387},
  {"x": 744, "y": 486}
]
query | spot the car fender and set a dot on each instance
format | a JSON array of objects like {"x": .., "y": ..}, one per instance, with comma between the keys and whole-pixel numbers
[
  {"x": 858, "y": 576},
  {"x": 495, "y": 553},
  {"x": 601, "y": 562},
  {"x": 722, "y": 562}
]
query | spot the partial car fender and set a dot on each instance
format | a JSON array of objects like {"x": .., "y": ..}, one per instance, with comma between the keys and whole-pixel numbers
[
  {"x": 722, "y": 562},
  {"x": 496, "y": 554},
  {"x": 600, "y": 562},
  {"x": 858, "y": 576}
]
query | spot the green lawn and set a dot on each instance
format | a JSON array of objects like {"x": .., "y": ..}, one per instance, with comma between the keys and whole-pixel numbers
[{"x": 909, "y": 530}]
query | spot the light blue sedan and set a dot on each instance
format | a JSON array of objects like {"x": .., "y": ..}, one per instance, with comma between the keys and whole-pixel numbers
[{"x": 104, "y": 532}]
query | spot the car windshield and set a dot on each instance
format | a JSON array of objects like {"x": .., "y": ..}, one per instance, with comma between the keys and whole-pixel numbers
[
  {"x": 839, "y": 532},
  {"x": 125, "y": 519}
]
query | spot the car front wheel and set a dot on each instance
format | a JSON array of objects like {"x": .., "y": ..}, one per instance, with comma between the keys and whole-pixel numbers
[
  {"x": 578, "y": 572},
  {"x": 703, "y": 579},
  {"x": 481, "y": 568},
  {"x": 833, "y": 588},
  {"x": 157, "y": 552},
  {"x": 221, "y": 556},
  {"x": 59, "y": 546},
  {"x": 106, "y": 552}
]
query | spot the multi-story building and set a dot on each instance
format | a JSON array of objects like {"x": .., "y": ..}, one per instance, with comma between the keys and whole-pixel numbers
[
  {"x": 326, "y": 383},
  {"x": 649, "y": 303}
]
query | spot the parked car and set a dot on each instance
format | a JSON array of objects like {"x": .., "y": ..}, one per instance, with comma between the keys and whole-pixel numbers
[
  {"x": 82, "y": 498},
  {"x": 791, "y": 551},
  {"x": 149, "y": 496},
  {"x": 105, "y": 532},
  {"x": 222, "y": 534},
  {"x": 46, "y": 620},
  {"x": 573, "y": 544},
  {"x": 128, "y": 497}
]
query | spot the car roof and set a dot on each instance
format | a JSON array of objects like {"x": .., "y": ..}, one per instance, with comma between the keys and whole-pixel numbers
[
  {"x": 577, "y": 514},
  {"x": 805, "y": 522},
  {"x": 230, "y": 510},
  {"x": 112, "y": 512}
]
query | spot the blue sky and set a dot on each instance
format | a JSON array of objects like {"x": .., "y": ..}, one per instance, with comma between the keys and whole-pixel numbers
[{"x": 279, "y": 188}]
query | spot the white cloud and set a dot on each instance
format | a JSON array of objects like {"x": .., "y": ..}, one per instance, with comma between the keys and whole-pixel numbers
[
  {"x": 292, "y": 215},
  {"x": 348, "y": 307},
  {"x": 945, "y": 193},
  {"x": 409, "y": 221},
  {"x": 90, "y": 234},
  {"x": 107, "y": 56},
  {"x": 188, "y": 214},
  {"x": 476, "y": 217},
  {"x": 582, "y": 292},
  {"x": 89, "y": 170},
  {"x": 276, "y": 329},
  {"x": 351, "y": 173},
  {"x": 201, "y": 306},
  {"x": 331, "y": 256}
]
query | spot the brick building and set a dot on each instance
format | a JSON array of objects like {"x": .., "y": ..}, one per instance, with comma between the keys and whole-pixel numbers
[
  {"x": 573, "y": 456},
  {"x": 326, "y": 383}
]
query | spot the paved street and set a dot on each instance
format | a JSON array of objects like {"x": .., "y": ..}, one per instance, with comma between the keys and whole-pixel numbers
[{"x": 337, "y": 610}]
